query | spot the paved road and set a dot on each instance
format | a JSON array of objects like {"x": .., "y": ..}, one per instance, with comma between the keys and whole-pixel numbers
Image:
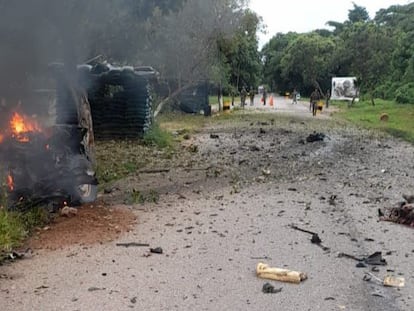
[
  {"x": 284, "y": 105},
  {"x": 213, "y": 234}
]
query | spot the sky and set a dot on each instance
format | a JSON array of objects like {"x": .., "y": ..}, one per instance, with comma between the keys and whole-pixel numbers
[{"x": 307, "y": 15}]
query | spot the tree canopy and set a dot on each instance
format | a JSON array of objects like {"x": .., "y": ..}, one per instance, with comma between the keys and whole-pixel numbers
[{"x": 378, "y": 51}]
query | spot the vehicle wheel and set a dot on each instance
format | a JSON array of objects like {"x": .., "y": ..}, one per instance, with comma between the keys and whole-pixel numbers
[{"x": 85, "y": 193}]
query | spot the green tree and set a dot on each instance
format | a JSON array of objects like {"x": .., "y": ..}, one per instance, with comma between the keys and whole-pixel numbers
[
  {"x": 307, "y": 61},
  {"x": 241, "y": 53},
  {"x": 358, "y": 14},
  {"x": 272, "y": 54}
]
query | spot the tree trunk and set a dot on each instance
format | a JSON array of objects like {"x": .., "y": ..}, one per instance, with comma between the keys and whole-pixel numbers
[{"x": 171, "y": 96}]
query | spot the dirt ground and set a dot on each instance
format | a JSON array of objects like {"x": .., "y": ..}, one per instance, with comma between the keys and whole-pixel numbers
[{"x": 228, "y": 201}]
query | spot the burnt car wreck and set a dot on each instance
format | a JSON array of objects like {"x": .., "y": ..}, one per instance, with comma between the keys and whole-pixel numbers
[{"x": 48, "y": 158}]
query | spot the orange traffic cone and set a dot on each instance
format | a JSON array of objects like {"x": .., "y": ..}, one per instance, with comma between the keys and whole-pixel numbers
[{"x": 271, "y": 101}]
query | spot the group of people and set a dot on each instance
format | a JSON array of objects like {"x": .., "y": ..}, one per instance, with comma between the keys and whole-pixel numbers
[
  {"x": 243, "y": 95},
  {"x": 315, "y": 98}
]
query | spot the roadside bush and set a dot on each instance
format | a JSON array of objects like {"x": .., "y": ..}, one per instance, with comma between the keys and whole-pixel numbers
[
  {"x": 386, "y": 91},
  {"x": 158, "y": 137},
  {"x": 405, "y": 94}
]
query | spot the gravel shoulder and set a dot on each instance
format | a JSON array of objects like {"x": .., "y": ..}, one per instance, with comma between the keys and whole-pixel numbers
[{"x": 225, "y": 206}]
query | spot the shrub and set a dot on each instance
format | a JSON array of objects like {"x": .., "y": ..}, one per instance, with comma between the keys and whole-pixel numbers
[
  {"x": 405, "y": 94},
  {"x": 156, "y": 136}
]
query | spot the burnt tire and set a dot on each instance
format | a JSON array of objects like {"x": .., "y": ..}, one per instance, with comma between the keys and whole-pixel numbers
[
  {"x": 84, "y": 188},
  {"x": 85, "y": 193}
]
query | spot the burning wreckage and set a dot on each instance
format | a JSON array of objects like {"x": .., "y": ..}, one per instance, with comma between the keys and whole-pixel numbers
[{"x": 48, "y": 158}]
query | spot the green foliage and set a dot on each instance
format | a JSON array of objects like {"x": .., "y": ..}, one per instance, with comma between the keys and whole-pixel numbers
[
  {"x": 14, "y": 226},
  {"x": 12, "y": 230},
  {"x": 158, "y": 137},
  {"x": 34, "y": 217},
  {"x": 400, "y": 123},
  {"x": 378, "y": 52},
  {"x": 240, "y": 56},
  {"x": 405, "y": 94},
  {"x": 358, "y": 14},
  {"x": 308, "y": 58}
]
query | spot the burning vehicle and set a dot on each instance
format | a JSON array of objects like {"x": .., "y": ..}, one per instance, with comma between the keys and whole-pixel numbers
[{"x": 48, "y": 157}]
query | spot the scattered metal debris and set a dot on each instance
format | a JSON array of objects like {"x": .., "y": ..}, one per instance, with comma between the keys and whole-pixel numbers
[
  {"x": 315, "y": 137},
  {"x": 315, "y": 237},
  {"x": 133, "y": 244},
  {"x": 94, "y": 289},
  {"x": 270, "y": 289},
  {"x": 374, "y": 259},
  {"x": 14, "y": 255},
  {"x": 214, "y": 136},
  {"x": 154, "y": 171},
  {"x": 156, "y": 250}
]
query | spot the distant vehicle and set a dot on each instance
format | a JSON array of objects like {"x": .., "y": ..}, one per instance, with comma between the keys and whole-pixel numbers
[{"x": 260, "y": 89}]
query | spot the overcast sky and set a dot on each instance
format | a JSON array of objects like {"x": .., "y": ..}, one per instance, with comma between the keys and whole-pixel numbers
[{"x": 305, "y": 15}]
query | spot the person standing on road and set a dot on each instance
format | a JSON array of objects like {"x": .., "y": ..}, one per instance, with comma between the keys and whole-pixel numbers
[
  {"x": 314, "y": 98},
  {"x": 264, "y": 95},
  {"x": 251, "y": 95},
  {"x": 328, "y": 97},
  {"x": 243, "y": 95},
  {"x": 294, "y": 97}
]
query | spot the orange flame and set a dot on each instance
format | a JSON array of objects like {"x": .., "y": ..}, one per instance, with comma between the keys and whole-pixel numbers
[
  {"x": 21, "y": 125},
  {"x": 10, "y": 182}
]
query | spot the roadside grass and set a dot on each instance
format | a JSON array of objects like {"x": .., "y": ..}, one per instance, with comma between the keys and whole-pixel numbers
[
  {"x": 400, "y": 117},
  {"x": 213, "y": 100},
  {"x": 12, "y": 231},
  {"x": 158, "y": 137},
  {"x": 181, "y": 123},
  {"x": 15, "y": 226},
  {"x": 117, "y": 159}
]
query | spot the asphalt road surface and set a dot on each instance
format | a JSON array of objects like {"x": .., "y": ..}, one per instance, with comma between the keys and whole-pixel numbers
[{"x": 215, "y": 229}]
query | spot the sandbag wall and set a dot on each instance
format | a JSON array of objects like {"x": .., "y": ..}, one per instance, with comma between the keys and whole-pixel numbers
[{"x": 121, "y": 104}]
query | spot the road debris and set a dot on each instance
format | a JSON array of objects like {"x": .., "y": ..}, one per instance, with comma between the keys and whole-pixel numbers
[
  {"x": 393, "y": 281},
  {"x": 315, "y": 137},
  {"x": 154, "y": 171},
  {"x": 265, "y": 272},
  {"x": 68, "y": 211},
  {"x": 388, "y": 281},
  {"x": 374, "y": 259},
  {"x": 156, "y": 250},
  {"x": 14, "y": 255},
  {"x": 266, "y": 172},
  {"x": 94, "y": 289},
  {"x": 315, "y": 237},
  {"x": 402, "y": 214},
  {"x": 270, "y": 289},
  {"x": 133, "y": 244},
  {"x": 409, "y": 198}
]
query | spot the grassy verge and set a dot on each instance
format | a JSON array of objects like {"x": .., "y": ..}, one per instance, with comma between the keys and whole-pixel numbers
[
  {"x": 117, "y": 159},
  {"x": 180, "y": 122},
  {"x": 400, "y": 117},
  {"x": 15, "y": 227},
  {"x": 213, "y": 100}
]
